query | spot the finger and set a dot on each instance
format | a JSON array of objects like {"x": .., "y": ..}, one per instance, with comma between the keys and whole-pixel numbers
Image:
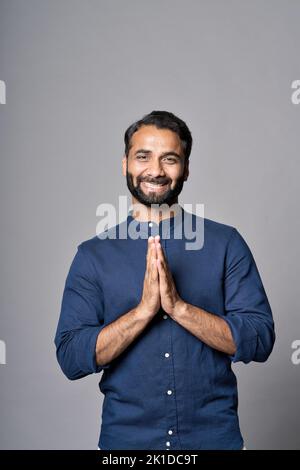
[
  {"x": 157, "y": 239},
  {"x": 161, "y": 255},
  {"x": 150, "y": 242},
  {"x": 153, "y": 250},
  {"x": 153, "y": 259},
  {"x": 154, "y": 270},
  {"x": 158, "y": 246},
  {"x": 163, "y": 278},
  {"x": 149, "y": 252}
]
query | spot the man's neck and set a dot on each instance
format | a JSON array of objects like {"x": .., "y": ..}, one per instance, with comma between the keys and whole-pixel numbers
[{"x": 144, "y": 213}]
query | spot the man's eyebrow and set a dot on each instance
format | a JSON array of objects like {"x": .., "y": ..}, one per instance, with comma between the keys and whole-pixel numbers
[{"x": 164, "y": 154}]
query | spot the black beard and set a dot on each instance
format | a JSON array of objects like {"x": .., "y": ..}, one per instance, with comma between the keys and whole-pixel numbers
[{"x": 169, "y": 197}]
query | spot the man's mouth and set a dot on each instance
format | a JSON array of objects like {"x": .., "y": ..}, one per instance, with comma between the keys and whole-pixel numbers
[{"x": 154, "y": 186}]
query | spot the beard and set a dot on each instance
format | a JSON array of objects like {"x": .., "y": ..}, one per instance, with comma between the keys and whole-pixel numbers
[{"x": 168, "y": 197}]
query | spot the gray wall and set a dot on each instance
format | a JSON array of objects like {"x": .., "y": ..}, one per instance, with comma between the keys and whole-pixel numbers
[{"x": 77, "y": 73}]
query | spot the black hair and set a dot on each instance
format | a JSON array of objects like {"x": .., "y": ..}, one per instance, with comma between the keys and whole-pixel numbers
[{"x": 162, "y": 120}]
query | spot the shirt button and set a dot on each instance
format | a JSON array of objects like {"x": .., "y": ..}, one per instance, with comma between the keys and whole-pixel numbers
[
  {"x": 168, "y": 444},
  {"x": 169, "y": 392},
  {"x": 165, "y": 317},
  {"x": 150, "y": 224},
  {"x": 167, "y": 354},
  {"x": 170, "y": 431}
]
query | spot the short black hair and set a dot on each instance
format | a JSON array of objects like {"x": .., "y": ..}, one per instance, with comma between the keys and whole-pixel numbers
[{"x": 162, "y": 120}]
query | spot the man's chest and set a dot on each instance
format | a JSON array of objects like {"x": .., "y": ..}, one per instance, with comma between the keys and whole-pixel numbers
[{"x": 198, "y": 275}]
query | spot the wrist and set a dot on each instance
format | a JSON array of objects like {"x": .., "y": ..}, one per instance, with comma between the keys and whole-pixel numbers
[
  {"x": 179, "y": 310},
  {"x": 144, "y": 312}
]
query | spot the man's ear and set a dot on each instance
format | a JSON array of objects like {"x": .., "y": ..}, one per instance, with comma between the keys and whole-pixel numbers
[
  {"x": 124, "y": 164},
  {"x": 186, "y": 170}
]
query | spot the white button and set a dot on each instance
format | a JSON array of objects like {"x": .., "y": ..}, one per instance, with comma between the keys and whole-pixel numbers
[
  {"x": 170, "y": 431},
  {"x": 150, "y": 224},
  {"x": 167, "y": 354},
  {"x": 169, "y": 392},
  {"x": 168, "y": 444},
  {"x": 165, "y": 317}
]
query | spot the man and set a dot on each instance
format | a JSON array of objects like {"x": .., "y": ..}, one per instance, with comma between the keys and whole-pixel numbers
[{"x": 162, "y": 321}]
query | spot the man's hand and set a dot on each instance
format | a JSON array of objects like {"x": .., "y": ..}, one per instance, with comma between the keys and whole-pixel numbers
[
  {"x": 150, "y": 302},
  {"x": 168, "y": 293}
]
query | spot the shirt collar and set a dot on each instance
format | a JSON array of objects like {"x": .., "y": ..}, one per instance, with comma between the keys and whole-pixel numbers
[{"x": 165, "y": 228}]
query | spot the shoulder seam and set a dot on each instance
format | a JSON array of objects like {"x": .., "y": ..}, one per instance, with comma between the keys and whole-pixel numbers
[{"x": 233, "y": 232}]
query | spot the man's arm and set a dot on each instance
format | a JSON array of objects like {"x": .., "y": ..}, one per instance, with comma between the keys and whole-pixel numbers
[
  {"x": 83, "y": 345},
  {"x": 206, "y": 326},
  {"x": 209, "y": 328},
  {"x": 119, "y": 334},
  {"x": 246, "y": 331}
]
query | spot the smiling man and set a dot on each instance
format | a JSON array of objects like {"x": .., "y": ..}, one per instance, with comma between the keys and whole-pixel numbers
[{"x": 162, "y": 322}]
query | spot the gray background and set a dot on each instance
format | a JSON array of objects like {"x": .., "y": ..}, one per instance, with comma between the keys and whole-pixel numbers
[{"x": 77, "y": 74}]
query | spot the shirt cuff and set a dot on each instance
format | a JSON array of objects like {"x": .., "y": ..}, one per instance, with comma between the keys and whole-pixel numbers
[
  {"x": 244, "y": 336},
  {"x": 86, "y": 350}
]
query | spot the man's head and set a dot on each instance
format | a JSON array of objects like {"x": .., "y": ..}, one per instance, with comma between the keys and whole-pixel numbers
[{"x": 157, "y": 150}]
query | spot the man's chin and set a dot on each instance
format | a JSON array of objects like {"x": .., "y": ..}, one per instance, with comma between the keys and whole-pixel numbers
[{"x": 147, "y": 200}]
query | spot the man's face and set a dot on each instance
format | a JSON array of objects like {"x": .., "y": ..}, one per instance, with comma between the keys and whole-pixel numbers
[{"x": 155, "y": 168}]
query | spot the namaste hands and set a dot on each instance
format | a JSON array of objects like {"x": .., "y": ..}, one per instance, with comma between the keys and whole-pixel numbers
[{"x": 159, "y": 287}]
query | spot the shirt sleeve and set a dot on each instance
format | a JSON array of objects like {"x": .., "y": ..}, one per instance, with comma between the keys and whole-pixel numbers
[
  {"x": 247, "y": 310},
  {"x": 81, "y": 319}
]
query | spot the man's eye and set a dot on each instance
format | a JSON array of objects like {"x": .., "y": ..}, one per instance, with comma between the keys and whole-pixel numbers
[
  {"x": 141, "y": 156},
  {"x": 170, "y": 160}
]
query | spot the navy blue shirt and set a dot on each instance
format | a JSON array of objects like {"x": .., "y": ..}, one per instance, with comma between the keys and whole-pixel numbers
[{"x": 168, "y": 389}]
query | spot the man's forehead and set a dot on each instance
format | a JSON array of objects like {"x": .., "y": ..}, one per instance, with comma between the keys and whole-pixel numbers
[{"x": 150, "y": 137}]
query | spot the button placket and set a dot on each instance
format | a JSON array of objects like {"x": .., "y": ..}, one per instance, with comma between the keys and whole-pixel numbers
[{"x": 171, "y": 407}]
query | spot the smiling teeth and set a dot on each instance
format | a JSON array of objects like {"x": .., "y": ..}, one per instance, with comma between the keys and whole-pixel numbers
[{"x": 154, "y": 184}]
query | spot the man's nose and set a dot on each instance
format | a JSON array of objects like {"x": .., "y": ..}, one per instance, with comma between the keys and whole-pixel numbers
[{"x": 155, "y": 168}]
